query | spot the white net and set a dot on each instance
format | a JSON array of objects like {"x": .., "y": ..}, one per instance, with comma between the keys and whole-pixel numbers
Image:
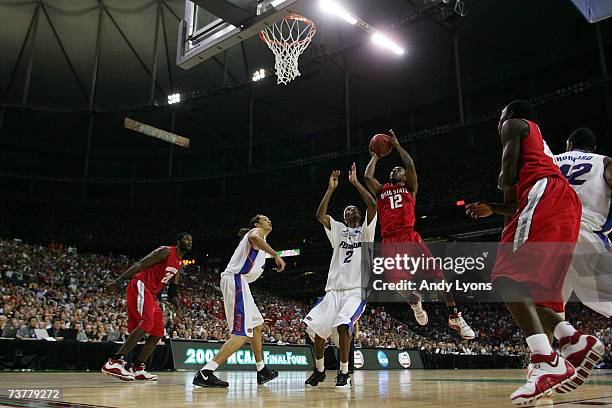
[{"x": 288, "y": 38}]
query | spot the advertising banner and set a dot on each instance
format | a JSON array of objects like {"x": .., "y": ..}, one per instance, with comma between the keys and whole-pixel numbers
[
  {"x": 386, "y": 359},
  {"x": 192, "y": 354}
]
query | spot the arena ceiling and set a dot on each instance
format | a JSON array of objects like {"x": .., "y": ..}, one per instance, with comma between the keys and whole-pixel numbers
[{"x": 57, "y": 40}]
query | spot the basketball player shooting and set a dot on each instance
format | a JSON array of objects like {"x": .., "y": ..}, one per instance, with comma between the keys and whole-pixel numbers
[
  {"x": 344, "y": 301},
  {"x": 243, "y": 317},
  {"x": 395, "y": 202},
  {"x": 147, "y": 277},
  {"x": 540, "y": 207}
]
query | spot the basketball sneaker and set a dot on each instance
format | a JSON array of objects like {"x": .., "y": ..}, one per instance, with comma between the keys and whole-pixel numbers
[
  {"x": 315, "y": 378},
  {"x": 206, "y": 378},
  {"x": 343, "y": 380},
  {"x": 456, "y": 322},
  {"x": 419, "y": 313},
  {"x": 116, "y": 368},
  {"x": 265, "y": 374},
  {"x": 546, "y": 374},
  {"x": 584, "y": 352},
  {"x": 141, "y": 374}
]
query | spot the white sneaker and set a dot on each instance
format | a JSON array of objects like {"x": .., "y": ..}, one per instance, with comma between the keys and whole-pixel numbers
[
  {"x": 116, "y": 368},
  {"x": 419, "y": 313},
  {"x": 546, "y": 374},
  {"x": 142, "y": 375},
  {"x": 456, "y": 322},
  {"x": 584, "y": 352}
]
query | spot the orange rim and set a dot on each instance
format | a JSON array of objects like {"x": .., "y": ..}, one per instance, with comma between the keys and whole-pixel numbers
[{"x": 313, "y": 29}]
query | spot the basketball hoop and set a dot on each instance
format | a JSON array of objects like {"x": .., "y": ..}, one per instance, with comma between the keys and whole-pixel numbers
[{"x": 288, "y": 38}]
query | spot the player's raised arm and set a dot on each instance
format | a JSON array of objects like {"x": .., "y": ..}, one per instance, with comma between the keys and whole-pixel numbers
[
  {"x": 483, "y": 209},
  {"x": 322, "y": 216},
  {"x": 513, "y": 130},
  {"x": 411, "y": 175},
  {"x": 608, "y": 171},
  {"x": 159, "y": 255},
  {"x": 256, "y": 239},
  {"x": 367, "y": 197},
  {"x": 373, "y": 184}
]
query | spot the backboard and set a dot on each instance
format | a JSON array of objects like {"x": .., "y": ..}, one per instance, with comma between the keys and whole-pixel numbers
[
  {"x": 211, "y": 26},
  {"x": 594, "y": 10}
]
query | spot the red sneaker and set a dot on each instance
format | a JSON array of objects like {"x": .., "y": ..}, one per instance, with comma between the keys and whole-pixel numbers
[
  {"x": 584, "y": 352},
  {"x": 116, "y": 368},
  {"x": 546, "y": 374}
]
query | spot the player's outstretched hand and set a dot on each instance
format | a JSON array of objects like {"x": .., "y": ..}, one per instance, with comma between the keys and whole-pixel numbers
[
  {"x": 374, "y": 155},
  {"x": 111, "y": 288},
  {"x": 333, "y": 179},
  {"x": 481, "y": 209},
  {"x": 353, "y": 174},
  {"x": 280, "y": 264},
  {"x": 394, "y": 140}
]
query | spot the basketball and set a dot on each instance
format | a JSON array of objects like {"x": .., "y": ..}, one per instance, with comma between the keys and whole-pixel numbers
[{"x": 381, "y": 144}]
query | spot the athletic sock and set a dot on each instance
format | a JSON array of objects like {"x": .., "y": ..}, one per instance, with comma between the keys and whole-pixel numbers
[
  {"x": 538, "y": 344},
  {"x": 320, "y": 363},
  {"x": 344, "y": 367},
  {"x": 564, "y": 329},
  {"x": 212, "y": 366},
  {"x": 260, "y": 365},
  {"x": 118, "y": 356}
]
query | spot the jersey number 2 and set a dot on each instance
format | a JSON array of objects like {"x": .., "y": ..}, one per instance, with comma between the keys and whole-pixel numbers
[
  {"x": 349, "y": 253},
  {"x": 396, "y": 201}
]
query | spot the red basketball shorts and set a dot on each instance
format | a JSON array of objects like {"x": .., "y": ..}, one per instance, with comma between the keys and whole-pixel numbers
[
  {"x": 408, "y": 244},
  {"x": 143, "y": 309},
  {"x": 536, "y": 246}
]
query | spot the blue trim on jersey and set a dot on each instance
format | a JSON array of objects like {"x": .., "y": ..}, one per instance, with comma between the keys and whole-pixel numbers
[
  {"x": 250, "y": 261},
  {"x": 604, "y": 239},
  {"x": 357, "y": 315},
  {"x": 608, "y": 224},
  {"x": 238, "y": 327},
  {"x": 319, "y": 300}
]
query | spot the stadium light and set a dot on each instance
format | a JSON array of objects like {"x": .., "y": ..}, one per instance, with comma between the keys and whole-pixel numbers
[
  {"x": 174, "y": 98},
  {"x": 259, "y": 75},
  {"x": 385, "y": 42},
  {"x": 332, "y": 7}
]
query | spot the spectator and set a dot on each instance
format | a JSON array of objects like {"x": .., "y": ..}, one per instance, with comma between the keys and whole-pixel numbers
[
  {"x": 56, "y": 330},
  {"x": 27, "y": 330}
]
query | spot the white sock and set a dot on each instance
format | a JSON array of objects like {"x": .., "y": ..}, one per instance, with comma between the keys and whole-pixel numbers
[
  {"x": 564, "y": 329},
  {"x": 260, "y": 365},
  {"x": 344, "y": 367},
  {"x": 538, "y": 344},
  {"x": 212, "y": 366},
  {"x": 320, "y": 363}
]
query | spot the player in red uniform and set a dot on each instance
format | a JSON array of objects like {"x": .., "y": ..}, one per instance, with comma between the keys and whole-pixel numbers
[
  {"x": 148, "y": 276},
  {"x": 536, "y": 247},
  {"x": 395, "y": 204}
]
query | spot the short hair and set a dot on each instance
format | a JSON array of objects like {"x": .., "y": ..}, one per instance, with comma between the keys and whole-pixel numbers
[
  {"x": 32, "y": 317},
  {"x": 255, "y": 220},
  {"x": 522, "y": 109},
  {"x": 181, "y": 235},
  {"x": 583, "y": 138}
]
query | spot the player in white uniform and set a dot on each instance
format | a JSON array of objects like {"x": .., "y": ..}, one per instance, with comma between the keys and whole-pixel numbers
[
  {"x": 335, "y": 315},
  {"x": 590, "y": 175},
  {"x": 244, "y": 319}
]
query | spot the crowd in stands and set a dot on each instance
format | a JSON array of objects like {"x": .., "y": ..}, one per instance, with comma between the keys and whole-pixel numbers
[{"x": 56, "y": 288}]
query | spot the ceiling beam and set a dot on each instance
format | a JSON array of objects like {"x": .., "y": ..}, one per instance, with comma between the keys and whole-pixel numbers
[
  {"x": 131, "y": 47},
  {"x": 63, "y": 49},
  {"x": 22, "y": 49}
]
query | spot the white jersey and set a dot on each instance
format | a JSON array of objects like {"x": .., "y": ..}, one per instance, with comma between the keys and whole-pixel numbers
[
  {"x": 246, "y": 260},
  {"x": 345, "y": 268},
  {"x": 585, "y": 173}
]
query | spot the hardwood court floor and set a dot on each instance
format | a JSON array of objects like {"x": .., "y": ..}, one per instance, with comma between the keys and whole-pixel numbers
[{"x": 372, "y": 389}]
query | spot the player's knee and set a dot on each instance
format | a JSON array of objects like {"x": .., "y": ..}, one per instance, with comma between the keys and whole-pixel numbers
[{"x": 343, "y": 330}]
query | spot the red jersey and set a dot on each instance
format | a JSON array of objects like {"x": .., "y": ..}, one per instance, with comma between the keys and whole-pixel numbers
[
  {"x": 395, "y": 206},
  {"x": 535, "y": 161},
  {"x": 157, "y": 276}
]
